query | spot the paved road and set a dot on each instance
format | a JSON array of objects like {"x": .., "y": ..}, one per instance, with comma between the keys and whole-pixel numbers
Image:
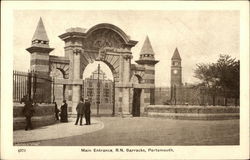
[{"x": 155, "y": 131}]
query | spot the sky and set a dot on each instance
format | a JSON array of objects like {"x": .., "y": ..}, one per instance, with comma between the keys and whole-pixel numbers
[{"x": 200, "y": 36}]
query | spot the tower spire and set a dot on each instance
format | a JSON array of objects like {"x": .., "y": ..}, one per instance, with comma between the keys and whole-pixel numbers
[
  {"x": 176, "y": 55},
  {"x": 176, "y": 69}
]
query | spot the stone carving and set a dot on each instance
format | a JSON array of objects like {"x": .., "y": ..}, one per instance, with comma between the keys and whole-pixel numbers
[
  {"x": 102, "y": 54},
  {"x": 127, "y": 56},
  {"x": 103, "y": 38},
  {"x": 77, "y": 51},
  {"x": 101, "y": 42}
]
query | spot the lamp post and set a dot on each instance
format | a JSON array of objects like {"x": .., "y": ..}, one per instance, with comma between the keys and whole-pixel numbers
[{"x": 98, "y": 89}]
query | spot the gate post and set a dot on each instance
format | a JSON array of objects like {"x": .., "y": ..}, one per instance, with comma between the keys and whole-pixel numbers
[
  {"x": 126, "y": 84},
  {"x": 39, "y": 63},
  {"x": 77, "y": 82},
  {"x": 73, "y": 39}
]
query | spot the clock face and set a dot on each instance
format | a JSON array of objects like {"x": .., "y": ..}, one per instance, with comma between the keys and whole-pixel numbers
[{"x": 175, "y": 71}]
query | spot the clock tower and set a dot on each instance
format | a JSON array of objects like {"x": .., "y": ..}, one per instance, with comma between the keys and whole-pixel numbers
[{"x": 176, "y": 74}]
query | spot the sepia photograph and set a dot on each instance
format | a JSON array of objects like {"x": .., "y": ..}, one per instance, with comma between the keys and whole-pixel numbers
[{"x": 130, "y": 80}]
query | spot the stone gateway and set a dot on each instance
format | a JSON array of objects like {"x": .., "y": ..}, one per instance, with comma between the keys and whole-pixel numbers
[{"x": 134, "y": 83}]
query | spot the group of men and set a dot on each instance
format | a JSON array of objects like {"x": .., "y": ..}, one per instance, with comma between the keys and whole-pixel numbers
[{"x": 83, "y": 108}]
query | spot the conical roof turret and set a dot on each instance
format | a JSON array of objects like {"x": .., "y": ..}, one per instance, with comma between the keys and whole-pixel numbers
[
  {"x": 147, "y": 54},
  {"x": 147, "y": 48},
  {"x": 40, "y": 33},
  {"x": 176, "y": 55},
  {"x": 40, "y": 40}
]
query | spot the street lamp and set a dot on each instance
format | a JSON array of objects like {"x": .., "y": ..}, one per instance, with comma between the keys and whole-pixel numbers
[{"x": 98, "y": 89}]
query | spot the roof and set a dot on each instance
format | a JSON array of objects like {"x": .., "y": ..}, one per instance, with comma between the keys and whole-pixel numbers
[
  {"x": 176, "y": 54},
  {"x": 147, "y": 47},
  {"x": 40, "y": 33}
]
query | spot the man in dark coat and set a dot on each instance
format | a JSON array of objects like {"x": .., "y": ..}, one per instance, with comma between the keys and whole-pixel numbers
[
  {"x": 28, "y": 112},
  {"x": 80, "y": 111},
  {"x": 87, "y": 111},
  {"x": 64, "y": 112}
]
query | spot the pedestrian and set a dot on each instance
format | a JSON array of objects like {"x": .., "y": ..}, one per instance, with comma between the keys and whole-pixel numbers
[
  {"x": 24, "y": 99},
  {"x": 80, "y": 111},
  {"x": 28, "y": 112},
  {"x": 87, "y": 111},
  {"x": 64, "y": 112},
  {"x": 56, "y": 111}
]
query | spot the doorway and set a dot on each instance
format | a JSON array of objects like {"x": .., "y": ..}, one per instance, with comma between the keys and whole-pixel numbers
[
  {"x": 136, "y": 102},
  {"x": 98, "y": 87}
]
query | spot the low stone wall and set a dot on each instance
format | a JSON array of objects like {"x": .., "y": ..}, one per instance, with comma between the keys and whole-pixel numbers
[
  {"x": 193, "y": 112},
  {"x": 44, "y": 115}
]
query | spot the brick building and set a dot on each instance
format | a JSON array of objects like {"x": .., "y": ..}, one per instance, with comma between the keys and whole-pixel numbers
[{"x": 90, "y": 88}]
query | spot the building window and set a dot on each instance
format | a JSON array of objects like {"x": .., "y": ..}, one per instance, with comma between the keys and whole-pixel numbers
[
  {"x": 106, "y": 100},
  {"x": 106, "y": 94},
  {"x": 90, "y": 84},
  {"x": 106, "y": 85},
  {"x": 89, "y": 92}
]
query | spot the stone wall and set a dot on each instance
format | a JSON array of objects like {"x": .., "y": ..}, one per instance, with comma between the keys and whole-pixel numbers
[
  {"x": 44, "y": 115},
  {"x": 193, "y": 112}
]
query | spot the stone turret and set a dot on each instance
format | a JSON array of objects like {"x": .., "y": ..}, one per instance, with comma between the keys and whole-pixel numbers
[
  {"x": 147, "y": 60},
  {"x": 147, "y": 54},
  {"x": 40, "y": 50},
  {"x": 39, "y": 62}
]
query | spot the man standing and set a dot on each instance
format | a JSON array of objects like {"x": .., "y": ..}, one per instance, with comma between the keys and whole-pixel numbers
[
  {"x": 64, "y": 112},
  {"x": 28, "y": 112},
  {"x": 80, "y": 110},
  {"x": 87, "y": 111}
]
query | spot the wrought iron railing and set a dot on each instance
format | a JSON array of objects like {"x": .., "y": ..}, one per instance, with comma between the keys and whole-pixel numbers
[{"x": 33, "y": 86}]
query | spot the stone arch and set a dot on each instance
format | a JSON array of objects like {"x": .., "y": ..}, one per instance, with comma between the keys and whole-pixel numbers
[
  {"x": 63, "y": 68},
  {"x": 139, "y": 73},
  {"x": 103, "y": 42},
  {"x": 58, "y": 87},
  {"x": 136, "y": 79},
  {"x": 111, "y": 60},
  {"x": 112, "y": 27},
  {"x": 106, "y": 42}
]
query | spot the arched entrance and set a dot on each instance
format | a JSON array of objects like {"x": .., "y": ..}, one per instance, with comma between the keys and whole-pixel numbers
[
  {"x": 98, "y": 87},
  {"x": 106, "y": 43},
  {"x": 136, "y": 95}
]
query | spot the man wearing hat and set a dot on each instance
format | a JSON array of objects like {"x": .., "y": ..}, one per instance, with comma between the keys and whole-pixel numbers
[
  {"x": 87, "y": 111},
  {"x": 80, "y": 111}
]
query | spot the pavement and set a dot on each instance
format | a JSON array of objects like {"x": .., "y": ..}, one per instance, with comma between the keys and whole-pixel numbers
[{"x": 55, "y": 131}]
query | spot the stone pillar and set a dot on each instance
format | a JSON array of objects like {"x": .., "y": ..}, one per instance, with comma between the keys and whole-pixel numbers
[
  {"x": 73, "y": 39},
  {"x": 126, "y": 85},
  {"x": 39, "y": 63},
  {"x": 68, "y": 49},
  {"x": 77, "y": 82}
]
